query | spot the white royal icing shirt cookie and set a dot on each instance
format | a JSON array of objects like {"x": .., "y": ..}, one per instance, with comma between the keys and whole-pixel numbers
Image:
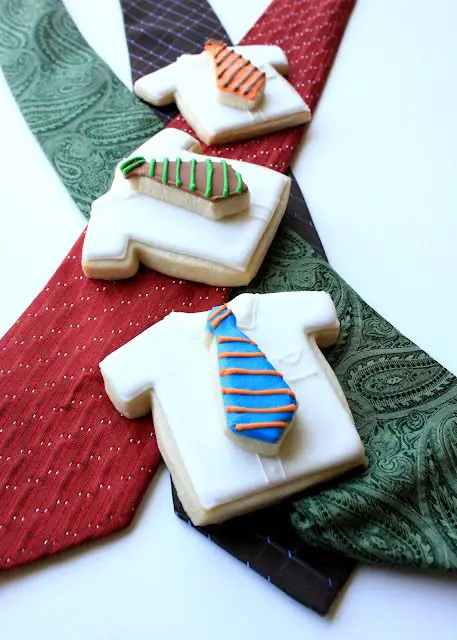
[
  {"x": 190, "y": 81},
  {"x": 123, "y": 215},
  {"x": 172, "y": 359}
]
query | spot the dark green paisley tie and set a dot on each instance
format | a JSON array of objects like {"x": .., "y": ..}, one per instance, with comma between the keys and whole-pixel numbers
[
  {"x": 402, "y": 510},
  {"x": 85, "y": 119}
]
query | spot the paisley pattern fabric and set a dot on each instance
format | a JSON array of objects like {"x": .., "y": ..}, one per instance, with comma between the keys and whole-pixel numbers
[
  {"x": 83, "y": 116},
  {"x": 402, "y": 509}
]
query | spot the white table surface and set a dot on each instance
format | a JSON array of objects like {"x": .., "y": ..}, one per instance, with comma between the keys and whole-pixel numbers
[{"x": 379, "y": 173}]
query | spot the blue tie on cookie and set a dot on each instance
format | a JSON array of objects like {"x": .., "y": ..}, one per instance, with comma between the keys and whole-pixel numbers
[{"x": 259, "y": 404}]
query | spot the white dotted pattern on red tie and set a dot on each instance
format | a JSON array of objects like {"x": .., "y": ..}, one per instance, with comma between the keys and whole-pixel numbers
[{"x": 70, "y": 466}]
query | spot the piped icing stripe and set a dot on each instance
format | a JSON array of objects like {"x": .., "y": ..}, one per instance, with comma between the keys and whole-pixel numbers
[
  {"x": 207, "y": 179},
  {"x": 261, "y": 425},
  {"x": 257, "y": 392},
  {"x": 192, "y": 183},
  {"x": 236, "y": 68},
  {"x": 249, "y": 391},
  {"x": 235, "y": 354},
  {"x": 287, "y": 407},
  {"x": 216, "y": 312},
  {"x": 225, "y": 54},
  {"x": 132, "y": 163},
  {"x": 256, "y": 77},
  {"x": 248, "y": 372},
  {"x": 239, "y": 183},
  {"x": 224, "y": 339},
  {"x": 225, "y": 186},
  {"x": 219, "y": 49},
  {"x": 178, "y": 180},
  {"x": 166, "y": 164},
  {"x": 222, "y": 317}
]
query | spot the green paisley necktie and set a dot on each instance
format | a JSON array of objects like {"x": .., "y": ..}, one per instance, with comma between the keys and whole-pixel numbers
[
  {"x": 402, "y": 510},
  {"x": 85, "y": 119}
]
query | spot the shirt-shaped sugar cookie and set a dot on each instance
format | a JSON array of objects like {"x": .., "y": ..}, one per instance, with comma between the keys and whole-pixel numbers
[
  {"x": 127, "y": 227},
  {"x": 191, "y": 83},
  {"x": 170, "y": 367}
]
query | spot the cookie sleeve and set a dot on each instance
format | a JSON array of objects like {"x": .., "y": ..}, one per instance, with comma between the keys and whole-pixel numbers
[
  {"x": 265, "y": 54},
  {"x": 130, "y": 373},
  {"x": 159, "y": 87},
  {"x": 317, "y": 316}
]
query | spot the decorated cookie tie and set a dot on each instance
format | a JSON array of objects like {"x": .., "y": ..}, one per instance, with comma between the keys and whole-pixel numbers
[
  {"x": 259, "y": 405},
  {"x": 240, "y": 83},
  {"x": 213, "y": 189}
]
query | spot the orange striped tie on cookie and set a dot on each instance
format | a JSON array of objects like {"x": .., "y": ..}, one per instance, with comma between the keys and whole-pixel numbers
[{"x": 240, "y": 83}]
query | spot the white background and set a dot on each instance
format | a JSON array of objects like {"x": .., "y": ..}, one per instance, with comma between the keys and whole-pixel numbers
[{"x": 378, "y": 169}]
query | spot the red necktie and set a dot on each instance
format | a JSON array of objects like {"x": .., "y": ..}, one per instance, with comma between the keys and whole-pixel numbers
[{"x": 71, "y": 469}]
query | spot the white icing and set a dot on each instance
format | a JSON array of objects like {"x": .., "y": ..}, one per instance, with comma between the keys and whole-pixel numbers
[
  {"x": 173, "y": 358},
  {"x": 162, "y": 83},
  {"x": 273, "y": 469},
  {"x": 264, "y": 54},
  {"x": 123, "y": 214},
  {"x": 191, "y": 80}
]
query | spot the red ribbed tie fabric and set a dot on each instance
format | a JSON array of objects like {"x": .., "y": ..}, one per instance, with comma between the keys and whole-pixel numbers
[{"x": 71, "y": 469}]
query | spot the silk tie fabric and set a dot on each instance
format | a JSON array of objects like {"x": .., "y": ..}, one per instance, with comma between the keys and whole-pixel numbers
[
  {"x": 83, "y": 116},
  {"x": 402, "y": 509},
  {"x": 266, "y": 542},
  {"x": 61, "y": 443}
]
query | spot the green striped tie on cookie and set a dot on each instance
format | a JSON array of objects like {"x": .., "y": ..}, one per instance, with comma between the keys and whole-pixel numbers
[{"x": 197, "y": 176}]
